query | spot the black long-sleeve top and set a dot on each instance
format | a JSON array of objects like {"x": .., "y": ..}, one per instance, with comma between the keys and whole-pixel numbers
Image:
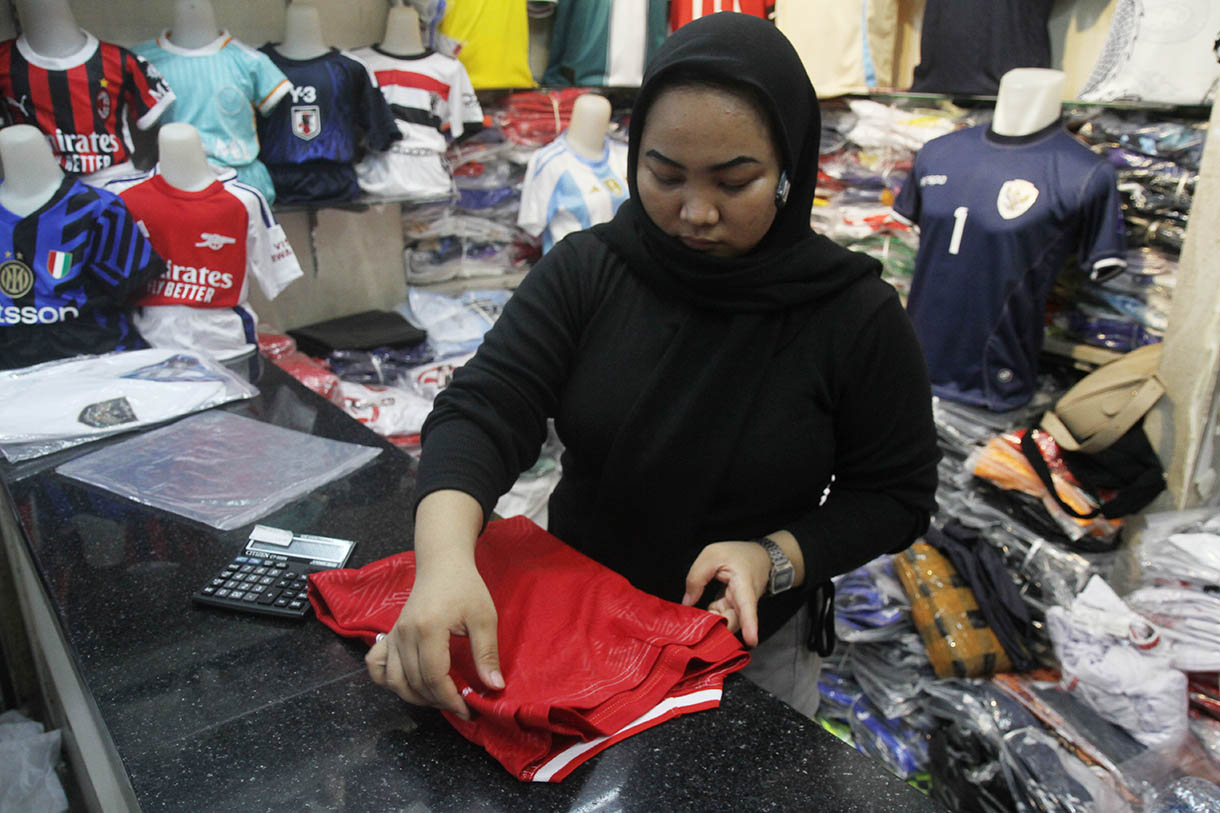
[{"x": 847, "y": 395}]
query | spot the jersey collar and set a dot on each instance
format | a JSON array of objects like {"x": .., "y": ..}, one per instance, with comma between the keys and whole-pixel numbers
[
  {"x": 61, "y": 63},
  {"x": 213, "y": 47}
]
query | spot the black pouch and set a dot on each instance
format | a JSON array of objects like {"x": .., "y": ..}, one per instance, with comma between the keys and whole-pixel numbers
[{"x": 1129, "y": 466}]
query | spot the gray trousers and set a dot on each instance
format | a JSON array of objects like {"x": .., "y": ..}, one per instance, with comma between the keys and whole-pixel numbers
[{"x": 786, "y": 667}]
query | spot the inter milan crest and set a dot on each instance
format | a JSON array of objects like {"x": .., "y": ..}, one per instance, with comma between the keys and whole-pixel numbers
[
  {"x": 306, "y": 121},
  {"x": 16, "y": 279},
  {"x": 1015, "y": 198}
]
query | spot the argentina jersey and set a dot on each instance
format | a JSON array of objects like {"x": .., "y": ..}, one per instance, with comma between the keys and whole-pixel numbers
[
  {"x": 998, "y": 217},
  {"x": 66, "y": 273},
  {"x": 565, "y": 192}
]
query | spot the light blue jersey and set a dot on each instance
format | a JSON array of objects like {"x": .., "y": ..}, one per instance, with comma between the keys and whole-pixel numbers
[
  {"x": 222, "y": 85},
  {"x": 565, "y": 192}
]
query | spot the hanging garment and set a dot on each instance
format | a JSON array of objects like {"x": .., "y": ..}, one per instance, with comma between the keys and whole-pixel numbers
[
  {"x": 311, "y": 142},
  {"x": 67, "y": 271},
  {"x": 965, "y": 46},
  {"x": 82, "y": 101},
  {"x": 433, "y": 101},
  {"x": 998, "y": 217},
  {"x": 564, "y": 191},
  {"x": 221, "y": 88},
  {"x": 214, "y": 241},
  {"x": 588, "y": 660},
  {"x": 605, "y": 43}
]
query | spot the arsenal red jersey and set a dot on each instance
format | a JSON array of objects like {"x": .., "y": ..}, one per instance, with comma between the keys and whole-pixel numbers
[
  {"x": 80, "y": 101},
  {"x": 213, "y": 241},
  {"x": 588, "y": 660}
]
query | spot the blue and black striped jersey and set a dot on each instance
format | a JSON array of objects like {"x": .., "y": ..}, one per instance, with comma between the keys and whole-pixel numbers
[{"x": 67, "y": 272}]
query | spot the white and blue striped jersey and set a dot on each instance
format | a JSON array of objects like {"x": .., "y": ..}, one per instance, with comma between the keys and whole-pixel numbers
[{"x": 565, "y": 192}]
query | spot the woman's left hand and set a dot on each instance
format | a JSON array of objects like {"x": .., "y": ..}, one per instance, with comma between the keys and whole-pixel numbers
[{"x": 744, "y": 569}]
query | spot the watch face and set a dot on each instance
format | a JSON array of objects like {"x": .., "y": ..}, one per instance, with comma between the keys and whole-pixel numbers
[{"x": 781, "y": 579}]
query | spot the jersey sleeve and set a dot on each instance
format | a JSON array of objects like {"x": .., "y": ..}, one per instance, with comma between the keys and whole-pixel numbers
[
  {"x": 906, "y": 202},
  {"x": 145, "y": 91},
  {"x": 1103, "y": 243},
  {"x": 376, "y": 118},
  {"x": 269, "y": 257},
  {"x": 123, "y": 259},
  {"x": 531, "y": 213},
  {"x": 270, "y": 83},
  {"x": 465, "y": 112}
]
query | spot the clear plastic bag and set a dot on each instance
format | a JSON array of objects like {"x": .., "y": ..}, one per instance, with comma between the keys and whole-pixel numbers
[
  {"x": 65, "y": 403},
  {"x": 27, "y": 766},
  {"x": 218, "y": 468}
]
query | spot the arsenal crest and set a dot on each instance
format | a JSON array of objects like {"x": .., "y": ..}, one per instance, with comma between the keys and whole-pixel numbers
[
  {"x": 1015, "y": 198},
  {"x": 306, "y": 121}
]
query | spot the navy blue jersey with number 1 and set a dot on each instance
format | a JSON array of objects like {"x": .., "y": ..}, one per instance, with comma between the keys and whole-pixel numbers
[
  {"x": 67, "y": 272},
  {"x": 998, "y": 217}
]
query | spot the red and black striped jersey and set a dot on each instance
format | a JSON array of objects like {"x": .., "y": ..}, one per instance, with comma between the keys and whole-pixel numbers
[{"x": 81, "y": 101}]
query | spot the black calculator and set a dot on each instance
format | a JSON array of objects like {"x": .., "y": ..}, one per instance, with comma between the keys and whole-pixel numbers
[{"x": 271, "y": 575}]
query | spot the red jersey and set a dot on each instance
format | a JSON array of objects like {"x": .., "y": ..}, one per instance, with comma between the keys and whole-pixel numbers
[
  {"x": 213, "y": 241},
  {"x": 682, "y": 12},
  {"x": 80, "y": 102},
  {"x": 588, "y": 660}
]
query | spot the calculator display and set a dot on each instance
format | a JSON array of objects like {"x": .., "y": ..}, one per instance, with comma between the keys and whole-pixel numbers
[
  {"x": 301, "y": 547},
  {"x": 271, "y": 575}
]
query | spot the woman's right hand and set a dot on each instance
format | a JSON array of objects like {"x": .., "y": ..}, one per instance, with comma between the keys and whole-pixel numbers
[
  {"x": 449, "y": 598},
  {"x": 412, "y": 660}
]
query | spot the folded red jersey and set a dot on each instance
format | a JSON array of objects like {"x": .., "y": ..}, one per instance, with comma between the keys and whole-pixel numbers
[{"x": 587, "y": 659}]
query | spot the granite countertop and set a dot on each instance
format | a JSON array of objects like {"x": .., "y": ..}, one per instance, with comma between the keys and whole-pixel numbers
[{"x": 223, "y": 711}]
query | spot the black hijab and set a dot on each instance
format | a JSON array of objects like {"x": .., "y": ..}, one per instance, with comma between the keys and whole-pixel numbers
[
  {"x": 791, "y": 265},
  {"x": 665, "y": 466}
]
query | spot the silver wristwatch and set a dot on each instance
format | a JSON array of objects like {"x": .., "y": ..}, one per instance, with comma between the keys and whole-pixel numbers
[{"x": 782, "y": 571}]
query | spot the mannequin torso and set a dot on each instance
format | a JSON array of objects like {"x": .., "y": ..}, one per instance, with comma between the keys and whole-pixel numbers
[
  {"x": 586, "y": 134},
  {"x": 302, "y": 33},
  {"x": 50, "y": 28},
  {"x": 402, "y": 37},
  {"x": 31, "y": 173},
  {"x": 194, "y": 24},
  {"x": 184, "y": 164},
  {"x": 1029, "y": 99}
]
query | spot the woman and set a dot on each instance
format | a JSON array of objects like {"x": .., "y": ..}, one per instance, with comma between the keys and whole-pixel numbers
[{"x": 711, "y": 365}]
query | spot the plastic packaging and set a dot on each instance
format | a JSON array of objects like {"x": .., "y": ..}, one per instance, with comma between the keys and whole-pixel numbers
[
  {"x": 65, "y": 403},
  {"x": 27, "y": 766},
  {"x": 955, "y": 633},
  {"x": 312, "y": 373},
  {"x": 275, "y": 345},
  {"x": 218, "y": 468},
  {"x": 455, "y": 324}
]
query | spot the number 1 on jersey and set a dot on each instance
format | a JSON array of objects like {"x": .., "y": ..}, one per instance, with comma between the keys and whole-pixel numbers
[{"x": 959, "y": 226}]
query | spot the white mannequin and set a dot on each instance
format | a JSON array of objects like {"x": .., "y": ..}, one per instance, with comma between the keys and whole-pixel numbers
[
  {"x": 184, "y": 164},
  {"x": 302, "y": 33},
  {"x": 31, "y": 173},
  {"x": 194, "y": 24},
  {"x": 402, "y": 37},
  {"x": 1028, "y": 100},
  {"x": 586, "y": 131},
  {"x": 50, "y": 28}
]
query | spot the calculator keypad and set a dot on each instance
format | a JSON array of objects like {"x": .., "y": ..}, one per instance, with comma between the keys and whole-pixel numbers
[{"x": 253, "y": 584}]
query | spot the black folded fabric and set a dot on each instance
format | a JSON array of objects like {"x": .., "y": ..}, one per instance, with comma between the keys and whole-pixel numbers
[
  {"x": 359, "y": 331},
  {"x": 995, "y": 590}
]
